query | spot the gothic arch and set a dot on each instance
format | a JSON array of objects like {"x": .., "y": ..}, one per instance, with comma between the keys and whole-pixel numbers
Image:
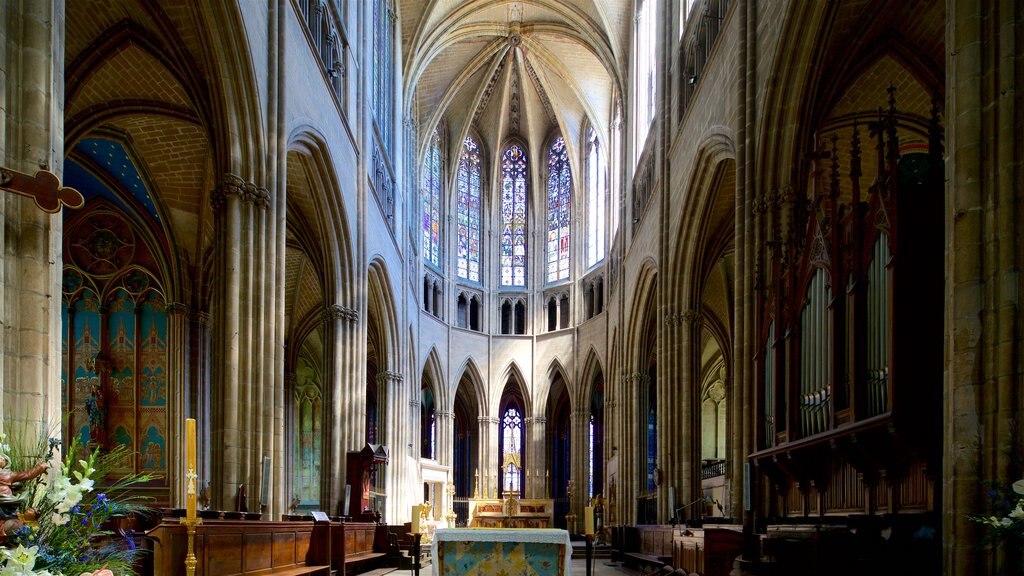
[
  {"x": 240, "y": 142},
  {"x": 785, "y": 99},
  {"x": 470, "y": 373},
  {"x": 554, "y": 372},
  {"x": 640, "y": 315},
  {"x": 714, "y": 166},
  {"x": 381, "y": 306},
  {"x": 329, "y": 219},
  {"x": 432, "y": 366},
  {"x": 512, "y": 374},
  {"x": 591, "y": 370}
]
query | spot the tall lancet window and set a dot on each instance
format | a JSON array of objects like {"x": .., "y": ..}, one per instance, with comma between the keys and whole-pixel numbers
[
  {"x": 559, "y": 210},
  {"x": 645, "y": 39},
  {"x": 513, "y": 216},
  {"x": 511, "y": 450},
  {"x": 381, "y": 90},
  {"x": 431, "y": 192},
  {"x": 597, "y": 185},
  {"x": 468, "y": 182}
]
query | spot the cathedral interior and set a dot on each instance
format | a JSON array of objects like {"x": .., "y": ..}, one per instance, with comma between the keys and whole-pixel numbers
[{"x": 754, "y": 262}]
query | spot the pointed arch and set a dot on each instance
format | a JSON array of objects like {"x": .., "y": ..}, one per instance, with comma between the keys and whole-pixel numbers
[
  {"x": 331, "y": 221},
  {"x": 512, "y": 373},
  {"x": 590, "y": 369},
  {"x": 470, "y": 373},
  {"x": 640, "y": 313},
  {"x": 432, "y": 366},
  {"x": 692, "y": 257},
  {"x": 381, "y": 307}
]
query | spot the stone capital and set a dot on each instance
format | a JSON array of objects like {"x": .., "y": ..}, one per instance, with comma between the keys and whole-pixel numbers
[
  {"x": 386, "y": 376},
  {"x": 232, "y": 185},
  {"x": 338, "y": 312},
  {"x": 693, "y": 317},
  {"x": 177, "y": 308},
  {"x": 202, "y": 317}
]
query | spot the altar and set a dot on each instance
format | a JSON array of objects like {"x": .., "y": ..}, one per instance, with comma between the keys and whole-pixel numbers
[
  {"x": 511, "y": 512},
  {"x": 482, "y": 552}
]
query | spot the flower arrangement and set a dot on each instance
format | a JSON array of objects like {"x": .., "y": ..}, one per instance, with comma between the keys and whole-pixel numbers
[
  {"x": 1007, "y": 522},
  {"x": 65, "y": 520}
]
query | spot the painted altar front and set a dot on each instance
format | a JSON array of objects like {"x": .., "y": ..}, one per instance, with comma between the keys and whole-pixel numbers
[{"x": 483, "y": 552}]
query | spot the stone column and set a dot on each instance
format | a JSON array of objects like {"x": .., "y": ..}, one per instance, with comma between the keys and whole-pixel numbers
[
  {"x": 177, "y": 395},
  {"x": 31, "y": 139},
  {"x": 239, "y": 415},
  {"x": 338, "y": 321},
  {"x": 537, "y": 463},
  {"x": 397, "y": 438},
  {"x": 627, "y": 442},
  {"x": 982, "y": 435},
  {"x": 689, "y": 414},
  {"x": 488, "y": 450},
  {"x": 671, "y": 420}
]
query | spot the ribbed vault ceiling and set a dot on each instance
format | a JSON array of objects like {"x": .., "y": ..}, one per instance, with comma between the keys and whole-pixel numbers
[{"x": 504, "y": 69}]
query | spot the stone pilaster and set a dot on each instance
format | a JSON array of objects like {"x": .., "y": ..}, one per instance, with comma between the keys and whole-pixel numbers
[
  {"x": 337, "y": 321},
  {"x": 246, "y": 406},
  {"x": 31, "y": 139},
  {"x": 983, "y": 439},
  {"x": 177, "y": 394}
]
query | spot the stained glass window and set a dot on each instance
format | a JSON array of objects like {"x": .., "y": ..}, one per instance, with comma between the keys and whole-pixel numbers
[
  {"x": 431, "y": 192},
  {"x": 647, "y": 74},
  {"x": 596, "y": 191},
  {"x": 559, "y": 211},
  {"x": 468, "y": 260},
  {"x": 381, "y": 90},
  {"x": 513, "y": 217},
  {"x": 652, "y": 435},
  {"x": 590, "y": 460},
  {"x": 511, "y": 449}
]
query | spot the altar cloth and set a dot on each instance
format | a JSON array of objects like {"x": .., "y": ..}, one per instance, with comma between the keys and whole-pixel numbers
[{"x": 510, "y": 551}]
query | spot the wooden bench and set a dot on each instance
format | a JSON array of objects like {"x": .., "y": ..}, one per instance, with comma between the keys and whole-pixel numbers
[
  {"x": 243, "y": 548},
  {"x": 356, "y": 546},
  {"x": 643, "y": 562}
]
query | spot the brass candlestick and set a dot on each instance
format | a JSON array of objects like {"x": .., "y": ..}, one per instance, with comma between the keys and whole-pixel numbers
[
  {"x": 450, "y": 516},
  {"x": 570, "y": 518},
  {"x": 190, "y": 558},
  {"x": 190, "y": 520}
]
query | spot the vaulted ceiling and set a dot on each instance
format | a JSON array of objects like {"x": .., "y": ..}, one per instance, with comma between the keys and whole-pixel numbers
[{"x": 503, "y": 69}]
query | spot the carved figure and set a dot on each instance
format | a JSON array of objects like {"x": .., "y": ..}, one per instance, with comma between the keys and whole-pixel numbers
[{"x": 10, "y": 519}]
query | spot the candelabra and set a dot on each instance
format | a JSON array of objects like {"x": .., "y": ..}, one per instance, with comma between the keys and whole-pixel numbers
[
  {"x": 450, "y": 516},
  {"x": 570, "y": 518}
]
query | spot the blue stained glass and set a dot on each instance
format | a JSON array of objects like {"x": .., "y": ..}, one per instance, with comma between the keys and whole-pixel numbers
[
  {"x": 431, "y": 193},
  {"x": 468, "y": 182},
  {"x": 513, "y": 214},
  {"x": 559, "y": 211}
]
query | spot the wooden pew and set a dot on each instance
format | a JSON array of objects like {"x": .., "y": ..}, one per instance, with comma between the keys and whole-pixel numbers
[
  {"x": 708, "y": 551},
  {"x": 357, "y": 546},
  {"x": 243, "y": 548}
]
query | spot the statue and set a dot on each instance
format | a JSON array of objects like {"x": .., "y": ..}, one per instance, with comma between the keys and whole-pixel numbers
[{"x": 10, "y": 519}]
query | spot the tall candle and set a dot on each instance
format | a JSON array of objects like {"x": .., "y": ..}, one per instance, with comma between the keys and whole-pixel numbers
[
  {"x": 588, "y": 521},
  {"x": 415, "y": 528},
  {"x": 190, "y": 468}
]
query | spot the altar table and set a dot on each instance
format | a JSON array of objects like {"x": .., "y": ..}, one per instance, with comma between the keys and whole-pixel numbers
[{"x": 483, "y": 552}]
